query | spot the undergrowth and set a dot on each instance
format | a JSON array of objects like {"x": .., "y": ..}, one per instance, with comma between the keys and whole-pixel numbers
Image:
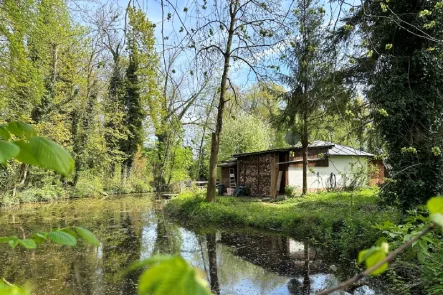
[{"x": 50, "y": 189}]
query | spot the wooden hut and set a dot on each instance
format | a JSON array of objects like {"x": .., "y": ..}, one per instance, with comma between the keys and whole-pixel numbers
[{"x": 267, "y": 173}]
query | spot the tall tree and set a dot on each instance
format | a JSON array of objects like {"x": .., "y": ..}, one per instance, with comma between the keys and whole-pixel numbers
[
  {"x": 234, "y": 31},
  {"x": 313, "y": 88},
  {"x": 244, "y": 133},
  {"x": 401, "y": 64},
  {"x": 134, "y": 112}
]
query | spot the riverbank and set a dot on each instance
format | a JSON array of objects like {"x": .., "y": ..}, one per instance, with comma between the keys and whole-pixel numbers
[
  {"x": 342, "y": 217},
  {"x": 87, "y": 187},
  {"x": 340, "y": 222}
]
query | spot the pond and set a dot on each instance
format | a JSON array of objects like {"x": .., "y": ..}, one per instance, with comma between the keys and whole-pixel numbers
[{"x": 132, "y": 228}]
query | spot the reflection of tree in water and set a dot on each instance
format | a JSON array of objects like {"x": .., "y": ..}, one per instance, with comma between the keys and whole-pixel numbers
[
  {"x": 277, "y": 254},
  {"x": 294, "y": 285},
  {"x": 82, "y": 270},
  {"x": 168, "y": 240},
  {"x": 121, "y": 248},
  {"x": 211, "y": 245},
  {"x": 269, "y": 252},
  {"x": 82, "y": 275}
]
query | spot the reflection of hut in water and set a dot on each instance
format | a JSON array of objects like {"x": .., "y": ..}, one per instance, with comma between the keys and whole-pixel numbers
[{"x": 277, "y": 254}]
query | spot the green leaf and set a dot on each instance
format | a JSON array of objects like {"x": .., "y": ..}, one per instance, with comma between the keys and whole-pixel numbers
[
  {"x": 172, "y": 275},
  {"x": 13, "y": 243},
  {"x": 28, "y": 243},
  {"x": 87, "y": 235},
  {"x": 374, "y": 255},
  {"x": 437, "y": 218},
  {"x": 70, "y": 232},
  {"x": 374, "y": 259},
  {"x": 4, "y": 239},
  {"x": 8, "y": 151},
  {"x": 435, "y": 205},
  {"x": 364, "y": 254},
  {"x": 40, "y": 237},
  {"x": 4, "y": 133},
  {"x": 62, "y": 238},
  {"x": 45, "y": 153},
  {"x": 21, "y": 130},
  {"x": 10, "y": 289}
]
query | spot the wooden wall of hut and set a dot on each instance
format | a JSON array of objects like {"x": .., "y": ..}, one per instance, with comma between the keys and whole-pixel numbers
[
  {"x": 283, "y": 157},
  {"x": 256, "y": 173},
  {"x": 225, "y": 176}
]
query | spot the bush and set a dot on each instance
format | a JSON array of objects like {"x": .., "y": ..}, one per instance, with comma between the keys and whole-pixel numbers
[
  {"x": 432, "y": 272},
  {"x": 88, "y": 185},
  {"x": 290, "y": 191},
  {"x": 48, "y": 193}
]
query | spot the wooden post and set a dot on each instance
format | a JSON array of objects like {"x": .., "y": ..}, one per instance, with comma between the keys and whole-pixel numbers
[
  {"x": 273, "y": 183},
  {"x": 280, "y": 174},
  {"x": 238, "y": 173},
  {"x": 258, "y": 174}
]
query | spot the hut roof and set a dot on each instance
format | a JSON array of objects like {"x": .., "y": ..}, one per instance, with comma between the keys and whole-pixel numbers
[
  {"x": 340, "y": 150},
  {"x": 334, "y": 150}
]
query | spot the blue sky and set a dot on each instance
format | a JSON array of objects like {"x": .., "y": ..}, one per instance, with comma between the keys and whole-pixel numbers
[{"x": 240, "y": 74}]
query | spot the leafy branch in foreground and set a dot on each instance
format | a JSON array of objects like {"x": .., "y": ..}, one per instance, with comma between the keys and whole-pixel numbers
[
  {"x": 170, "y": 275},
  {"x": 377, "y": 258},
  {"x": 65, "y": 236},
  {"x": 7, "y": 288},
  {"x": 19, "y": 141}
]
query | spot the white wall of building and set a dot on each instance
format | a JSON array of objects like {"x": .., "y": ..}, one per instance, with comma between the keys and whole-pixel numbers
[{"x": 342, "y": 166}]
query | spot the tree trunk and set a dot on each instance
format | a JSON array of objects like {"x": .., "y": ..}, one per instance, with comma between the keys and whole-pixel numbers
[
  {"x": 215, "y": 145},
  {"x": 162, "y": 158},
  {"x": 212, "y": 256},
  {"x": 24, "y": 167},
  {"x": 305, "y": 147},
  {"x": 215, "y": 142},
  {"x": 306, "y": 279}
]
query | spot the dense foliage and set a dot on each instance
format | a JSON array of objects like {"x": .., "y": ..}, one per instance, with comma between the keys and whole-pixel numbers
[{"x": 402, "y": 66}]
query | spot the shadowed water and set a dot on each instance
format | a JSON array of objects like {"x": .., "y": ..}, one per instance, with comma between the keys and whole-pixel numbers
[{"x": 132, "y": 228}]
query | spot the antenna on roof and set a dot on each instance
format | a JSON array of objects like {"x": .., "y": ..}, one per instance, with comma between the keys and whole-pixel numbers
[{"x": 292, "y": 138}]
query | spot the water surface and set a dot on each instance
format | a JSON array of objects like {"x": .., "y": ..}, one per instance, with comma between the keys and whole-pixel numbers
[{"x": 132, "y": 228}]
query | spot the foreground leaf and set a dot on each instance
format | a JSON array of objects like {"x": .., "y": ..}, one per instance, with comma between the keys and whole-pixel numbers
[
  {"x": 8, "y": 151},
  {"x": 70, "y": 232},
  {"x": 10, "y": 289},
  {"x": 13, "y": 243},
  {"x": 435, "y": 205},
  {"x": 45, "y": 153},
  {"x": 4, "y": 133},
  {"x": 40, "y": 237},
  {"x": 87, "y": 235},
  {"x": 172, "y": 275},
  {"x": 62, "y": 238},
  {"x": 28, "y": 243},
  {"x": 4, "y": 239},
  {"x": 373, "y": 256},
  {"x": 437, "y": 218},
  {"x": 21, "y": 129}
]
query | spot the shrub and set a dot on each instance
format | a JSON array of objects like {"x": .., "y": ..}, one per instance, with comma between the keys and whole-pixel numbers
[
  {"x": 290, "y": 191},
  {"x": 88, "y": 185},
  {"x": 432, "y": 272},
  {"x": 48, "y": 193}
]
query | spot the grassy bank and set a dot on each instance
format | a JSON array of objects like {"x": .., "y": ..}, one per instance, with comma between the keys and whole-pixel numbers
[
  {"x": 50, "y": 189},
  {"x": 340, "y": 221}
]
